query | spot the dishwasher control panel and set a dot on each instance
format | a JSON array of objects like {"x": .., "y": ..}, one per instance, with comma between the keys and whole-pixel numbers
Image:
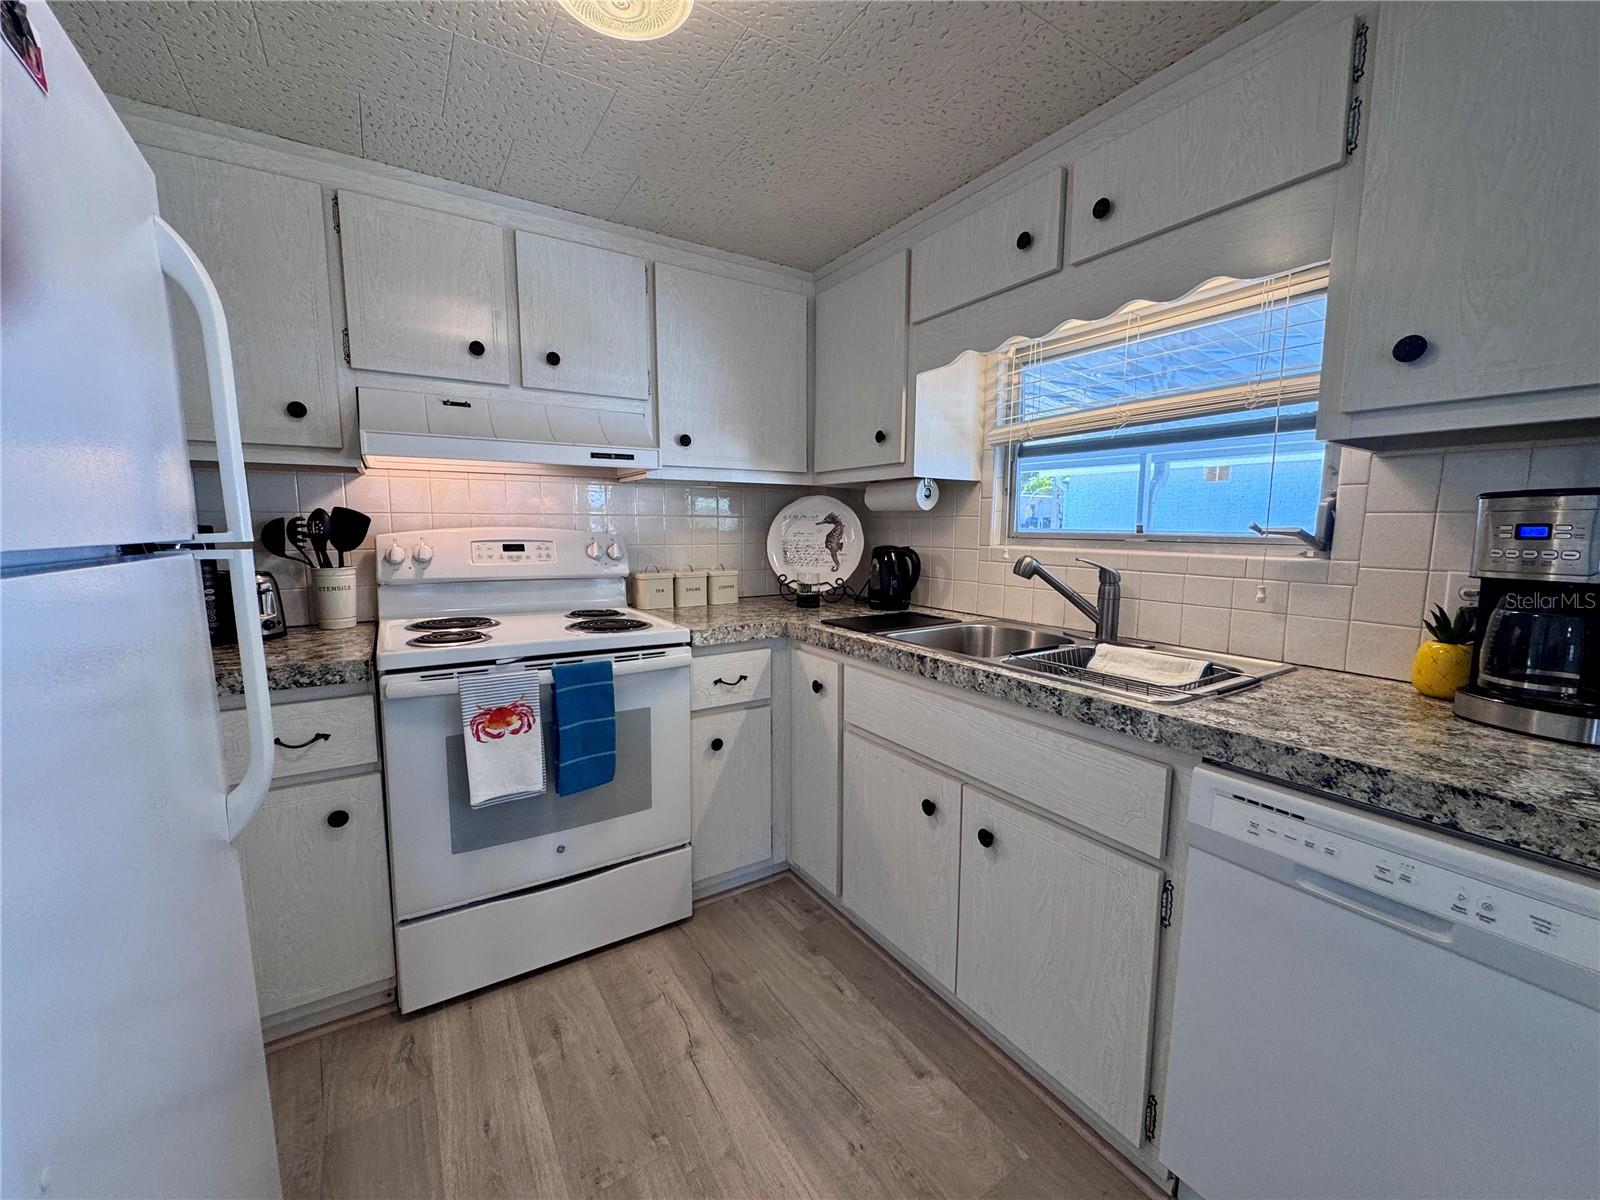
[{"x": 1288, "y": 828}]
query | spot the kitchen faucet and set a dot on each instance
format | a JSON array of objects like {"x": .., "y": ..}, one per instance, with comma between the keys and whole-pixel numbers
[{"x": 1109, "y": 597}]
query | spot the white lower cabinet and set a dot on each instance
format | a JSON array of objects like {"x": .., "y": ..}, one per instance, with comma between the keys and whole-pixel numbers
[
  {"x": 902, "y": 824},
  {"x": 1058, "y": 951},
  {"x": 814, "y": 768},
  {"x": 316, "y": 875},
  {"x": 731, "y": 789}
]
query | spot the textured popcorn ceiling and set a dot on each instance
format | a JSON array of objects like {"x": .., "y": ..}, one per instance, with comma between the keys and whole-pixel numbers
[{"x": 790, "y": 130}]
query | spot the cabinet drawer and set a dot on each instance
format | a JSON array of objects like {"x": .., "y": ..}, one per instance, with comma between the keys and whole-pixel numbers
[
  {"x": 1008, "y": 241},
  {"x": 316, "y": 879},
  {"x": 902, "y": 828},
  {"x": 731, "y": 790},
  {"x": 1267, "y": 127},
  {"x": 1058, "y": 952},
  {"x": 734, "y": 678},
  {"x": 315, "y": 735},
  {"x": 1117, "y": 795}
]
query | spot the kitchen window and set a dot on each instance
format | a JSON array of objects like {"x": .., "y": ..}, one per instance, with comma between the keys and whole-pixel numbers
[{"x": 1189, "y": 419}]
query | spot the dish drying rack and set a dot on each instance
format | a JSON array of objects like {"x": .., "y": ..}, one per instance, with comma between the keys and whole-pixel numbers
[{"x": 1070, "y": 663}]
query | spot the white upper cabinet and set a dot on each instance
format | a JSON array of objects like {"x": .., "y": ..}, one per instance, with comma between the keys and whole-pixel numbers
[
  {"x": 585, "y": 318},
  {"x": 861, "y": 341},
  {"x": 1006, "y": 242},
  {"x": 262, "y": 239},
  {"x": 425, "y": 292},
  {"x": 1266, "y": 127},
  {"x": 1469, "y": 272},
  {"x": 732, "y": 363}
]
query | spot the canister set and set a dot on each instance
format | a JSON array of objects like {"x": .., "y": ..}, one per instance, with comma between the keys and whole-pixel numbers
[{"x": 688, "y": 588}]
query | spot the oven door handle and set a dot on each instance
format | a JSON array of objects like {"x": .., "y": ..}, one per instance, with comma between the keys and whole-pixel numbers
[{"x": 410, "y": 687}]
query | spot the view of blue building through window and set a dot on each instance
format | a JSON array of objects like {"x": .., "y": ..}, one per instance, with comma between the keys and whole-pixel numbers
[{"x": 1211, "y": 474}]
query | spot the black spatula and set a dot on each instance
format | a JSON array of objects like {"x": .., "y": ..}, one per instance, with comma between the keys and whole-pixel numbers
[
  {"x": 347, "y": 529},
  {"x": 275, "y": 540}
]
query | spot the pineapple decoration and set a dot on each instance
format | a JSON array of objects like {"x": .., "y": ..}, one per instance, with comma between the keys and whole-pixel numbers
[{"x": 1443, "y": 663}]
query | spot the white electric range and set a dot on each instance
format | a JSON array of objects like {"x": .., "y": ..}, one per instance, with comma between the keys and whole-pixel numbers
[{"x": 484, "y": 894}]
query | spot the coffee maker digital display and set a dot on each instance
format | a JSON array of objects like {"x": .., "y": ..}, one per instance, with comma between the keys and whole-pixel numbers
[{"x": 1536, "y": 665}]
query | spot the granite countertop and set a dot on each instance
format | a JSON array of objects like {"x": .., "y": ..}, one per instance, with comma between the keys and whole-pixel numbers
[
  {"x": 304, "y": 658},
  {"x": 1373, "y": 741}
]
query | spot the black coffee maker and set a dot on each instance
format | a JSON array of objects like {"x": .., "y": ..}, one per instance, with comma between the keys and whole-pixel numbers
[
  {"x": 894, "y": 571},
  {"x": 1536, "y": 666}
]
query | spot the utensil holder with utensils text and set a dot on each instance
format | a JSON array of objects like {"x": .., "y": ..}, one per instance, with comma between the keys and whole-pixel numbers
[{"x": 334, "y": 592}]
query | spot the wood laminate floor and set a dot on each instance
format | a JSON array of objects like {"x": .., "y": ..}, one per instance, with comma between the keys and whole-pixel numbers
[{"x": 759, "y": 1049}]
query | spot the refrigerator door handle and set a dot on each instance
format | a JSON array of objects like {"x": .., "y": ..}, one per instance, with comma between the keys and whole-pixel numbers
[
  {"x": 184, "y": 268},
  {"x": 246, "y": 798}
]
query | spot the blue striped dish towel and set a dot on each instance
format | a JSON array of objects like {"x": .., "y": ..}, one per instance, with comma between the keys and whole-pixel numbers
[
  {"x": 585, "y": 726},
  {"x": 501, "y": 729}
]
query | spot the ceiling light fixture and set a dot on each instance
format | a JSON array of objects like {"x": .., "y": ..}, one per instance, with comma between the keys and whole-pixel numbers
[{"x": 631, "y": 20}]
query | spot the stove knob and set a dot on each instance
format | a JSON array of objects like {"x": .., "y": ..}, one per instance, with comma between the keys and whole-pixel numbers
[
  {"x": 593, "y": 550},
  {"x": 614, "y": 551},
  {"x": 395, "y": 554},
  {"x": 423, "y": 554}
]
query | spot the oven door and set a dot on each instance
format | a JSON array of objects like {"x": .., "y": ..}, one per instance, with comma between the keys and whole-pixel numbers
[{"x": 445, "y": 853}]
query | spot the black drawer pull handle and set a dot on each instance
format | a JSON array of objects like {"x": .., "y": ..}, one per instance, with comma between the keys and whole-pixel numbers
[
  {"x": 475, "y": 348},
  {"x": 338, "y": 819},
  {"x": 310, "y": 741},
  {"x": 1024, "y": 240},
  {"x": 816, "y": 686},
  {"x": 296, "y": 410},
  {"x": 730, "y": 683},
  {"x": 985, "y": 838},
  {"x": 1101, "y": 209},
  {"x": 553, "y": 359},
  {"x": 1410, "y": 348},
  {"x": 716, "y": 744},
  {"x": 929, "y": 807}
]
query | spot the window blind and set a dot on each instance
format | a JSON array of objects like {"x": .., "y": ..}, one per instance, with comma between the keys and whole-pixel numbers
[{"x": 1228, "y": 346}]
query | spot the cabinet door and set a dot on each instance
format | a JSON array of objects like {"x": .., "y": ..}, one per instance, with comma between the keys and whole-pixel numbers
[
  {"x": 732, "y": 362},
  {"x": 862, "y": 331},
  {"x": 731, "y": 789},
  {"x": 317, "y": 887},
  {"x": 1058, "y": 951},
  {"x": 1479, "y": 225},
  {"x": 1009, "y": 241},
  {"x": 261, "y": 237},
  {"x": 814, "y": 767},
  {"x": 424, "y": 292},
  {"x": 902, "y": 824},
  {"x": 585, "y": 318},
  {"x": 1267, "y": 127}
]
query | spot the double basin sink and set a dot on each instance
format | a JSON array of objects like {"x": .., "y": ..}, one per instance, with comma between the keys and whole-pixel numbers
[{"x": 1053, "y": 654}]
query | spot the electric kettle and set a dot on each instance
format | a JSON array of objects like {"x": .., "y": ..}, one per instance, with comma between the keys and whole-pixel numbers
[{"x": 894, "y": 571}]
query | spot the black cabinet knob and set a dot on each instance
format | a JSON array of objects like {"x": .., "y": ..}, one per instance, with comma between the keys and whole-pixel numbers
[
  {"x": 1024, "y": 240},
  {"x": 475, "y": 348},
  {"x": 1410, "y": 348},
  {"x": 1101, "y": 209},
  {"x": 684, "y": 439},
  {"x": 880, "y": 437},
  {"x": 985, "y": 838},
  {"x": 929, "y": 807},
  {"x": 816, "y": 686},
  {"x": 295, "y": 409},
  {"x": 553, "y": 358},
  {"x": 338, "y": 819},
  {"x": 716, "y": 744}
]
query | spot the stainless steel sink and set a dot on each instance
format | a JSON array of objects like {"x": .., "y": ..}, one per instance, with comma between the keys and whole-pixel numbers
[{"x": 985, "y": 639}]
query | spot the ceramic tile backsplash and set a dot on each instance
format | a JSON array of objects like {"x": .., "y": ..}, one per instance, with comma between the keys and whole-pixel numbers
[
  {"x": 1402, "y": 543},
  {"x": 663, "y": 524}
]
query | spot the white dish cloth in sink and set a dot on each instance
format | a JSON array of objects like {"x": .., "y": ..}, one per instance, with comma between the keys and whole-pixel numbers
[{"x": 1149, "y": 666}]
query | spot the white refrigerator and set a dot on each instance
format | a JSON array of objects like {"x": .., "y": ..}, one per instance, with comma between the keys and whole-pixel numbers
[{"x": 130, "y": 1041}]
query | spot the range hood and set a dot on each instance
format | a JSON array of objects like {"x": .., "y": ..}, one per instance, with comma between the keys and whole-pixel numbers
[{"x": 424, "y": 429}]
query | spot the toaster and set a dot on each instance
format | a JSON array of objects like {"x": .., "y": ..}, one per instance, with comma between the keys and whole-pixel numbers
[{"x": 269, "y": 602}]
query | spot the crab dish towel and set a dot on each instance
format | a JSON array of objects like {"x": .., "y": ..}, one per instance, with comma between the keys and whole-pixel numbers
[{"x": 501, "y": 730}]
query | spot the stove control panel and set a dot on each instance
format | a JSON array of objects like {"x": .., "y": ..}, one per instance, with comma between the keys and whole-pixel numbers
[{"x": 527, "y": 551}]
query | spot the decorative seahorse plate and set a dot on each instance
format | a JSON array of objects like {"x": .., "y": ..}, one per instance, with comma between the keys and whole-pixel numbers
[{"x": 815, "y": 540}]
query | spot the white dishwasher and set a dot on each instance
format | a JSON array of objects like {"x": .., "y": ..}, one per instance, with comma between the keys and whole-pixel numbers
[{"x": 1366, "y": 1009}]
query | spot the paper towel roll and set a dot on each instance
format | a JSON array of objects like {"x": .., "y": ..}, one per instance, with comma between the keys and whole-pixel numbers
[{"x": 903, "y": 495}]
